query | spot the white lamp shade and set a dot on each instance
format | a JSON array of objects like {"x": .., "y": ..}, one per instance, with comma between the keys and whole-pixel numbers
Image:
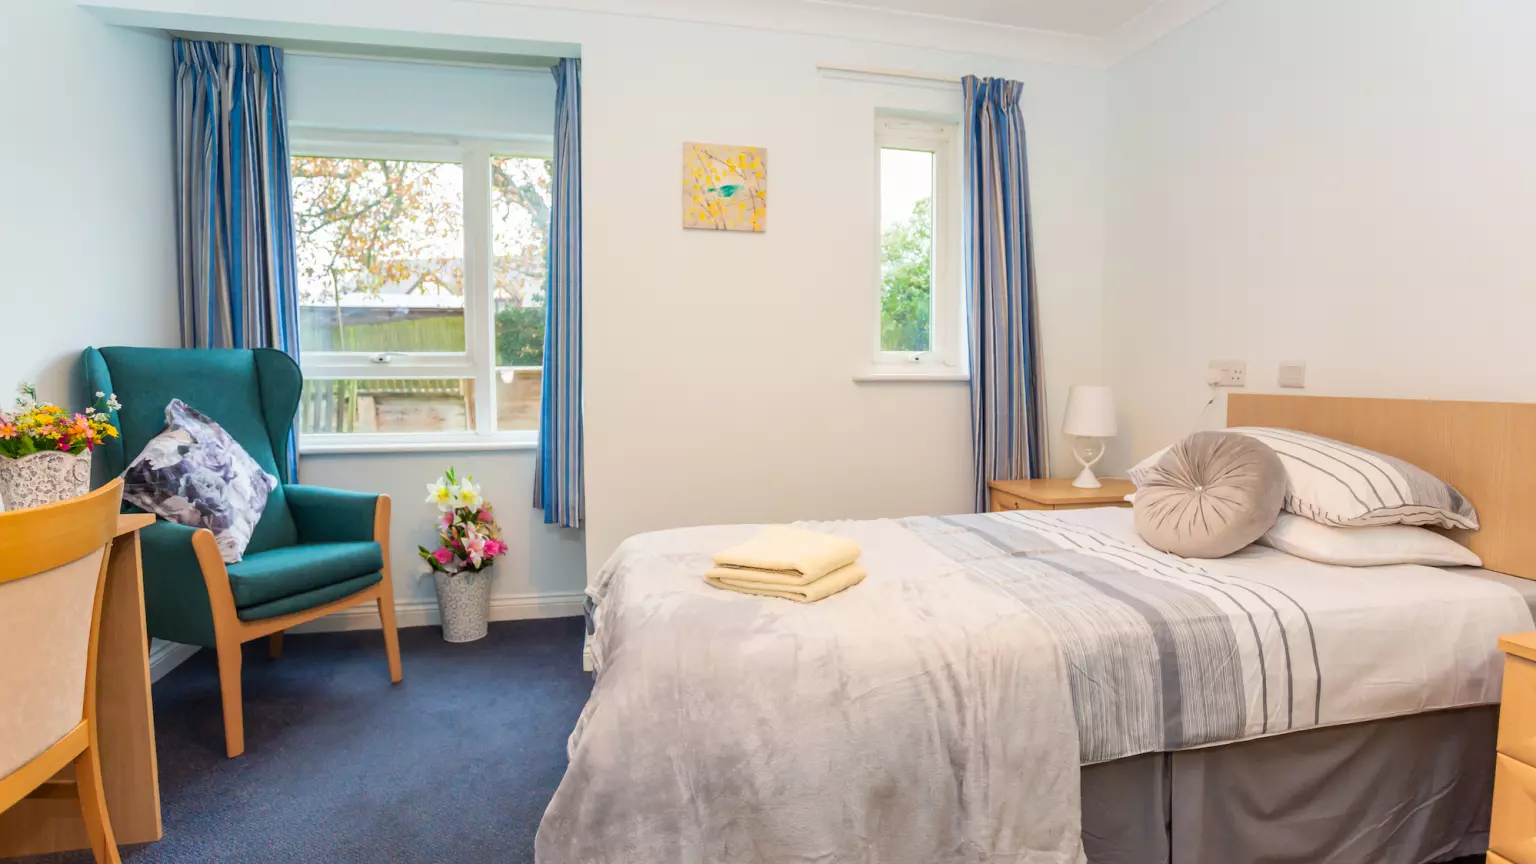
[{"x": 1090, "y": 411}]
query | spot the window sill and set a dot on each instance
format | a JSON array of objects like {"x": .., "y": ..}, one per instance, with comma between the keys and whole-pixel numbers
[
  {"x": 907, "y": 376},
  {"x": 345, "y": 444}
]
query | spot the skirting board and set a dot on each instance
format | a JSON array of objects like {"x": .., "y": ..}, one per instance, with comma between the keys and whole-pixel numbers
[
  {"x": 423, "y": 613},
  {"x": 165, "y": 656}
]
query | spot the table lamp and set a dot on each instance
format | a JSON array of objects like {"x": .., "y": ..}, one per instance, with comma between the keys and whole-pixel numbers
[{"x": 1090, "y": 419}]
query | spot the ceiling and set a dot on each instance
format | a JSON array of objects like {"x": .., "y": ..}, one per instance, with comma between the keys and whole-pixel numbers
[{"x": 1095, "y": 18}]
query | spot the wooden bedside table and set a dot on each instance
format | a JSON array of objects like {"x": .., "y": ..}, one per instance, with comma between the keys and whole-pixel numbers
[
  {"x": 1514, "y": 816},
  {"x": 1057, "y": 494}
]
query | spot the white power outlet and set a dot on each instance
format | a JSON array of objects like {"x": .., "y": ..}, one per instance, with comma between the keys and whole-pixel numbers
[{"x": 1227, "y": 373}]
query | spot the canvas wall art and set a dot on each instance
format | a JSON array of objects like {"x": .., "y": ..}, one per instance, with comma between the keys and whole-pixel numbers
[{"x": 725, "y": 187}]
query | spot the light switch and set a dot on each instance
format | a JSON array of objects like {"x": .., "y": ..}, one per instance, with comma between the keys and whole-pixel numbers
[{"x": 1293, "y": 373}]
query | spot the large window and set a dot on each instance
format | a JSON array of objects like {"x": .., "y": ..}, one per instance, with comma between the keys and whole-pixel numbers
[
  {"x": 918, "y": 328},
  {"x": 421, "y": 290}
]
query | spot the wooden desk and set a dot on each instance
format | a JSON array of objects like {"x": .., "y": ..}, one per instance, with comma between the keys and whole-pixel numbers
[{"x": 129, "y": 771}]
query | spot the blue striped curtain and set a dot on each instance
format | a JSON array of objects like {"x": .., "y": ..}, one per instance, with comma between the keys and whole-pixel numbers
[
  {"x": 558, "y": 478},
  {"x": 234, "y": 201},
  {"x": 1007, "y": 392}
]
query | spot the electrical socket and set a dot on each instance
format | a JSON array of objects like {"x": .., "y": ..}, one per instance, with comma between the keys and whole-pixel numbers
[{"x": 1227, "y": 373}]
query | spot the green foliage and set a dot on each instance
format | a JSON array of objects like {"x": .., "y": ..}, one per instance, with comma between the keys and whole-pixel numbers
[
  {"x": 520, "y": 336},
  {"x": 906, "y": 276}
]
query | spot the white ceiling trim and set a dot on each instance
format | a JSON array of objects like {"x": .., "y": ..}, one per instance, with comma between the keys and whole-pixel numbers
[
  {"x": 825, "y": 19},
  {"x": 837, "y": 20},
  {"x": 833, "y": 18},
  {"x": 1150, "y": 26}
]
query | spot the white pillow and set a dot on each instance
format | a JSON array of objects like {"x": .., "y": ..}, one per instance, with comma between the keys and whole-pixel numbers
[
  {"x": 1341, "y": 484},
  {"x": 1370, "y": 546}
]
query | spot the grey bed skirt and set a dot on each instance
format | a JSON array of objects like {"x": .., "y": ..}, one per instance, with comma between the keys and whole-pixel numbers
[{"x": 1409, "y": 790}]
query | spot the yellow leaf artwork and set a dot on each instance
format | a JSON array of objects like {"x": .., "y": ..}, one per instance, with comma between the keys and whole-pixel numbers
[{"x": 725, "y": 187}]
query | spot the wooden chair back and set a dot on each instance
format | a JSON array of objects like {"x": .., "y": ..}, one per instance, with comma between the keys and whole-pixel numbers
[{"x": 52, "y": 573}]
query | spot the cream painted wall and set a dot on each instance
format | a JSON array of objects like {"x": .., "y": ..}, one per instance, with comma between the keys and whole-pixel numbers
[
  {"x": 1346, "y": 182},
  {"x": 362, "y": 95},
  {"x": 86, "y": 223},
  {"x": 720, "y": 367},
  {"x": 543, "y": 573}
]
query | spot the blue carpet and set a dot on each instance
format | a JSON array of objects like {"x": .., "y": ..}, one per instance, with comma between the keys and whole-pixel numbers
[{"x": 456, "y": 763}]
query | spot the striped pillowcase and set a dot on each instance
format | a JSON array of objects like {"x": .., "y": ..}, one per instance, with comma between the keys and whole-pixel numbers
[{"x": 1340, "y": 484}]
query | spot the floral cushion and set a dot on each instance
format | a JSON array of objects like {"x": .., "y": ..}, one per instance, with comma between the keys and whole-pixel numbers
[{"x": 195, "y": 474}]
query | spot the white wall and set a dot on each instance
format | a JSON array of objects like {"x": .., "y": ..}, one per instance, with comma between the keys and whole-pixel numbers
[
  {"x": 1347, "y": 182},
  {"x": 87, "y": 230},
  {"x": 720, "y": 367},
  {"x": 362, "y": 95},
  {"x": 541, "y": 576}
]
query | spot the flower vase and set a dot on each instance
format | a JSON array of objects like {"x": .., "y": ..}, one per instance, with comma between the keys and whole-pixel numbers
[
  {"x": 43, "y": 478},
  {"x": 464, "y": 600}
]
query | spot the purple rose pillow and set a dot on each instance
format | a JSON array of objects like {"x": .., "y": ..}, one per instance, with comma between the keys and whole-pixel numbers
[{"x": 194, "y": 474}]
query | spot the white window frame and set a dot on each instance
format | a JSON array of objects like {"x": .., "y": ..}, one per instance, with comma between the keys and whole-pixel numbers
[
  {"x": 946, "y": 358},
  {"x": 478, "y": 360}
]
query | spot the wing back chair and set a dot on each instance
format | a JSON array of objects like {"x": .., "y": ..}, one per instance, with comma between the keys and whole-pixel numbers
[{"x": 315, "y": 550}]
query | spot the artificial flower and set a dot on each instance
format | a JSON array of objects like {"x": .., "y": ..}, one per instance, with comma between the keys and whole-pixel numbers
[
  {"x": 35, "y": 426},
  {"x": 468, "y": 537},
  {"x": 441, "y": 494},
  {"x": 474, "y": 546},
  {"x": 469, "y": 494}
]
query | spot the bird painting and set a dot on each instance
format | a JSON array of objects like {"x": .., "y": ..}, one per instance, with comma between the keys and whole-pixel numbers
[{"x": 725, "y": 187}]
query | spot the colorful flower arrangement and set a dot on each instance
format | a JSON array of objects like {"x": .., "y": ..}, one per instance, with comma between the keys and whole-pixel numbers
[
  {"x": 466, "y": 530},
  {"x": 36, "y": 427}
]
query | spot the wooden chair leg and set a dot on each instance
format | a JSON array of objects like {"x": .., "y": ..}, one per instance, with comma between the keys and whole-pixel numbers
[
  {"x": 93, "y": 805},
  {"x": 229, "y": 685},
  {"x": 387, "y": 590},
  {"x": 391, "y": 635},
  {"x": 275, "y": 645}
]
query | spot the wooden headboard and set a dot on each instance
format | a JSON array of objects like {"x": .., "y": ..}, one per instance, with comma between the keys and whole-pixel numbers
[{"x": 1487, "y": 450}]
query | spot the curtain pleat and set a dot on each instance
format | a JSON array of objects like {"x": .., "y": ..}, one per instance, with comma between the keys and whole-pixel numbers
[
  {"x": 558, "y": 476},
  {"x": 1007, "y": 389},
  {"x": 236, "y": 266}
]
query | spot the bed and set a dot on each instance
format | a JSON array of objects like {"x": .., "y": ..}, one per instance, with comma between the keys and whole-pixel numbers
[{"x": 1257, "y": 707}]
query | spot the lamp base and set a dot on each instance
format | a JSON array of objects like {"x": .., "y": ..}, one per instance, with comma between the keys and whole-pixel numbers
[{"x": 1086, "y": 480}]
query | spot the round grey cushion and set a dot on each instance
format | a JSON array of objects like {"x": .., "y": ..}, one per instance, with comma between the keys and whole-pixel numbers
[{"x": 1210, "y": 495}]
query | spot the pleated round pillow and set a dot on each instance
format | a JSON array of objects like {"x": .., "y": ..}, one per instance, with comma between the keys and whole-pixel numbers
[{"x": 1210, "y": 495}]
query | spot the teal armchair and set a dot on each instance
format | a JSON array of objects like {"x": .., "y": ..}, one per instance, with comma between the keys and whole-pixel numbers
[{"x": 315, "y": 550}]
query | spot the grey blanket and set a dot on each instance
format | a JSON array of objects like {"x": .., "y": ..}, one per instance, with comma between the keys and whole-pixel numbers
[
  {"x": 921, "y": 717},
  {"x": 938, "y": 711}
]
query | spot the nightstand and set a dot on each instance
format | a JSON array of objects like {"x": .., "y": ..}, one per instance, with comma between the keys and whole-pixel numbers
[
  {"x": 1513, "y": 838},
  {"x": 1057, "y": 494}
]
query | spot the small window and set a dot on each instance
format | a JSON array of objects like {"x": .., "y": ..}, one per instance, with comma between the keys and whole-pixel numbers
[
  {"x": 408, "y": 331},
  {"x": 919, "y": 297}
]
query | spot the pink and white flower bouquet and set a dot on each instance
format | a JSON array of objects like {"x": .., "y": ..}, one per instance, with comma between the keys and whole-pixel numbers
[{"x": 468, "y": 537}]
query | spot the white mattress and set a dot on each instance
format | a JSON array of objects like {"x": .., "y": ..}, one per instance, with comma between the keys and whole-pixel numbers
[{"x": 1394, "y": 640}]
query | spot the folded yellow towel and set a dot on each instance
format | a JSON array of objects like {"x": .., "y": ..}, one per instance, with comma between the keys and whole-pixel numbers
[
  {"x": 797, "y": 555},
  {"x": 770, "y": 584}
]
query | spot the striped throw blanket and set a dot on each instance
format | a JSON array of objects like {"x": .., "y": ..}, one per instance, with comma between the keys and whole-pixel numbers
[{"x": 1159, "y": 649}]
